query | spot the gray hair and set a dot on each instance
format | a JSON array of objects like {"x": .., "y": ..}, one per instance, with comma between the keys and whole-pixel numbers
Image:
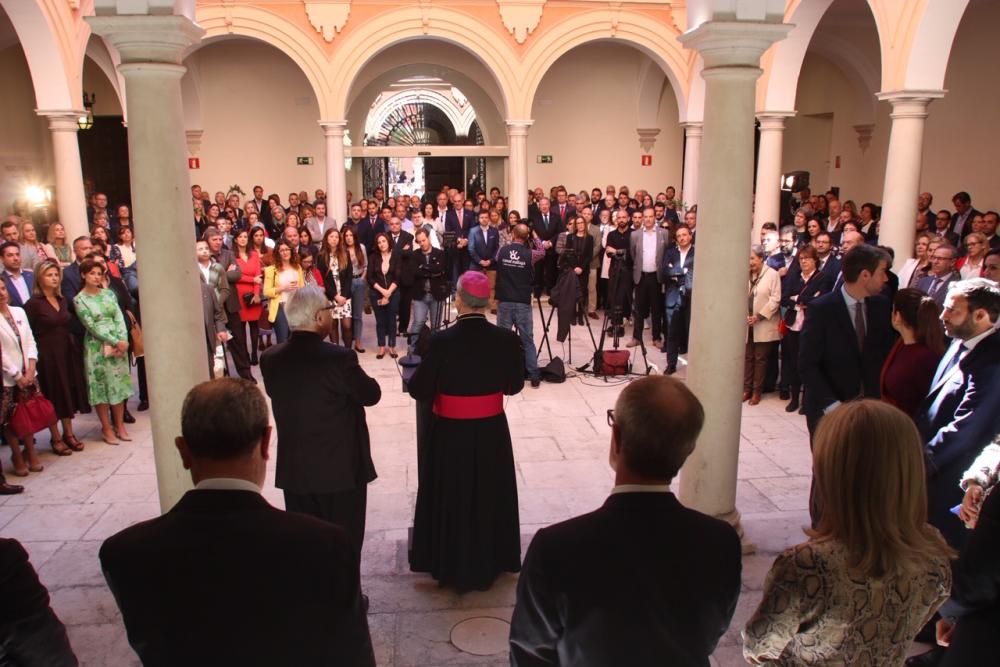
[
  {"x": 301, "y": 308},
  {"x": 758, "y": 250}
]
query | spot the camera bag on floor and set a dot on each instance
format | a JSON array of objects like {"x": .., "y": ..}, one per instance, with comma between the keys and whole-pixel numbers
[
  {"x": 612, "y": 362},
  {"x": 554, "y": 371}
]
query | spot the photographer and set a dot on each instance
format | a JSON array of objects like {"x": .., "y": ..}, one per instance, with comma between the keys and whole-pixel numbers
[
  {"x": 430, "y": 287},
  {"x": 515, "y": 276},
  {"x": 677, "y": 274}
]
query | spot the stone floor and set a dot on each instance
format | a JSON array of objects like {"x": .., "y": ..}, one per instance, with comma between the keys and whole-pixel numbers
[{"x": 560, "y": 445}]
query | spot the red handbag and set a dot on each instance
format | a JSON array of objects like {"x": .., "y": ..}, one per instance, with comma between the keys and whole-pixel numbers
[{"x": 33, "y": 413}]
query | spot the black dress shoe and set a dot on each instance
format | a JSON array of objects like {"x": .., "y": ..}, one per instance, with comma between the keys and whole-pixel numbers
[
  {"x": 10, "y": 489},
  {"x": 793, "y": 405},
  {"x": 143, "y": 406},
  {"x": 929, "y": 659},
  {"x": 128, "y": 418},
  {"x": 671, "y": 369},
  {"x": 535, "y": 382},
  {"x": 784, "y": 395}
]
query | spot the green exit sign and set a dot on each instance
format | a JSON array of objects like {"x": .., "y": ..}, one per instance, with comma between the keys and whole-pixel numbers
[
  {"x": 544, "y": 159},
  {"x": 303, "y": 161}
]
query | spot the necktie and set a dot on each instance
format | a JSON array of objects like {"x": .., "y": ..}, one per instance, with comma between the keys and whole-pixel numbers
[
  {"x": 546, "y": 218},
  {"x": 935, "y": 286},
  {"x": 953, "y": 361},
  {"x": 859, "y": 323},
  {"x": 562, "y": 210}
]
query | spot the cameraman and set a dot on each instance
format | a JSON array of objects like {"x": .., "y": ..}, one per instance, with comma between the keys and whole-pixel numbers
[
  {"x": 430, "y": 287},
  {"x": 677, "y": 274},
  {"x": 619, "y": 296},
  {"x": 513, "y": 293}
]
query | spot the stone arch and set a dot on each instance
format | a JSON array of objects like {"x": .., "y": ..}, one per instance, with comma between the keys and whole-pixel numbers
[
  {"x": 778, "y": 87},
  {"x": 49, "y": 49},
  {"x": 107, "y": 59},
  {"x": 239, "y": 20},
  {"x": 488, "y": 112},
  {"x": 651, "y": 80},
  {"x": 616, "y": 26},
  {"x": 421, "y": 22},
  {"x": 938, "y": 24},
  {"x": 461, "y": 119}
]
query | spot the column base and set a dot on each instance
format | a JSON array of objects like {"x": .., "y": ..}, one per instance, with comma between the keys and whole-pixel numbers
[{"x": 733, "y": 519}]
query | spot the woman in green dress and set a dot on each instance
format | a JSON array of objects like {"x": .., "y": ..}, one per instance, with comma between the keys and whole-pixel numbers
[{"x": 105, "y": 355}]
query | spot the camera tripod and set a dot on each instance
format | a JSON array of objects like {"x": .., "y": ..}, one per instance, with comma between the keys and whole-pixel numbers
[
  {"x": 547, "y": 321},
  {"x": 614, "y": 320}
]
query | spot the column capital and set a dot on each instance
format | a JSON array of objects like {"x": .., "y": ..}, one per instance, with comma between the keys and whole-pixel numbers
[
  {"x": 518, "y": 128},
  {"x": 910, "y": 103},
  {"x": 333, "y": 128},
  {"x": 144, "y": 39},
  {"x": 647, "y": 137},
  {"x": 693, "y": 129},
  {"x": 773, "y": 120},
  {"x": 62, "y": 120},
  {"x": 733, "y": 43}
]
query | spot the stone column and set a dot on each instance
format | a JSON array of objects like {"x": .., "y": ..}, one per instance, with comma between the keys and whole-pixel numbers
[
  {"x": 336, "y": 175},
  {"x": 902, "y": 169},
  {"x": 731, "y": 51},
  {"x": 151, "y": 49},
  {"x": 692, "y": 158},
  {"x": 517, "y": 164},
  {"x": 767, "y": 198},
  {"x": 71, "y": 200}
]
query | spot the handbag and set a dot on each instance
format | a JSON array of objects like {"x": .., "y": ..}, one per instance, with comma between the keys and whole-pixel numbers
[
  {"x": 33, "y": 413},
  {"x": 135, "y": 331}
]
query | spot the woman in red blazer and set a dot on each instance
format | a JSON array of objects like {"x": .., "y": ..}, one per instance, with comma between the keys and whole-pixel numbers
[
  {"x": 248, "y": 287},
  {"x": 913, "y": 360}
]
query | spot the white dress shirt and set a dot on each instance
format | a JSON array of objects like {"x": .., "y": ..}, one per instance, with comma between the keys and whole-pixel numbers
[
  {"x": 226, "y": 484},
  {"x": 649, "y": 250}
]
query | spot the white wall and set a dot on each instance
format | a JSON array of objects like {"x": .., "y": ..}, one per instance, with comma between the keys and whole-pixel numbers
[
  {"x": 258, "y": 114},
  {"x": 585, "y": 118},
  {"x": 25, "y": 144},
  {"x": 814, "y": 145}
]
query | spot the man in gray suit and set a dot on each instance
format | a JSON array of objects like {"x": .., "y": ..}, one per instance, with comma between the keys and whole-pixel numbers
[
  {"x": 646, "y": 248},
  {"x": 320, "y": 223},
  {"x": 942, "y": 274}
]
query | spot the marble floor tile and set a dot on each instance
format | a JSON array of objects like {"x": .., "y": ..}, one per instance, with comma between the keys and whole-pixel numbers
[
  {"x": 103, "y": 645},
  {"x": 424, "y": 638},
  {"x": 788, "y": 493},
  {"x": 125, "y": 489},
  {"x": 74, "y": 564},
  {"x": 120, "y": 516},
  {"x": 565, "y": 474},
  {"x": 54, "y": 522}
]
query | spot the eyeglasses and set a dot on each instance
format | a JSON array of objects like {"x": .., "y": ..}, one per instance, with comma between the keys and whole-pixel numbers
[{"x": 611, "y": 417}]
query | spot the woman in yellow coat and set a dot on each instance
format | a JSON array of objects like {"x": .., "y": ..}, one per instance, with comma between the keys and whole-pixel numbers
[{"x": 280, "y": 281}]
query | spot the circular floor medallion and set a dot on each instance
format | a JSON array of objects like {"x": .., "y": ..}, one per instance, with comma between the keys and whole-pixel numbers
[{"x": 481, "y": 635}]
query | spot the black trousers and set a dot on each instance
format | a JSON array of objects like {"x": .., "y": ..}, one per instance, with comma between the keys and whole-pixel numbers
[
  {"x": 547, "y": 272},
  {"x": 678, "y": 325},
  {"x": 648, "y": 302},
  {"x": 238, "y": 345},
  {"x": 344, "y": 508},
  {"x": 790, "y": 362},
  {"x": 403, "y": 317}
]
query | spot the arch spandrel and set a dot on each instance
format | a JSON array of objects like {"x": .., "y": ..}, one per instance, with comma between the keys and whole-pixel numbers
[{"x": 50, "y": 37}]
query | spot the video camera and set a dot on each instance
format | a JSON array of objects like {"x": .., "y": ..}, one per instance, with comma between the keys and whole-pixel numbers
[{"x": 449, "y": 240}]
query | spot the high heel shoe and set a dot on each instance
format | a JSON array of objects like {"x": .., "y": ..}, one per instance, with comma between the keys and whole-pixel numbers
[
  {"x": 381, "y": 353},
  {"x": 393, "y": 353},
  {"x": 19, "y": 472},
  {"x": 360, "y": 350}
]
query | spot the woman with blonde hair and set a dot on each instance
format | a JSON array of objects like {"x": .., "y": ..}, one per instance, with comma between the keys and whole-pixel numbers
[
  {"x": 873, "y": 572},
  {"x": 970, "y": 266},
  {"x": 281, "y": 279},
  {"x": 32, "y": 250},
  {"x": 57, "y": 246}
]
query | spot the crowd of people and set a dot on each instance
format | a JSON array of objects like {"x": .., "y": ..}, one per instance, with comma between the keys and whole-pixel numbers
[{"x": 898, "y": 376}]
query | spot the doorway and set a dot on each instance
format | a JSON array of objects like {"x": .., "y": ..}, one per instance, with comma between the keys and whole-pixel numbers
[{"x": 104, "y": 159}]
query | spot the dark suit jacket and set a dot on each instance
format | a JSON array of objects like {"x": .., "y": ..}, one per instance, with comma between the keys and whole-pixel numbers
[
  {"x": 462, "y": 229},
  {"x": 15, "y": 297},
  {"x": 806, "y": 292},
  {"x": 831, "y": 366},
  {"x": 640, "y": 581},
  {"x": 478, "y": 250},
  {"x": 406, "y": 268},
  {"x": 570, "y": 212},
  {"x": 678, "y": 279},
  {"x": 549, "y": 232},
  {"x": 976, "y": 588},
  {"x": 30, "y": 632},
  {"x": 430, "y": 269},
  {"x": 967, "y": 227},
  {"x": 925, "y": 284},
  {"x": 956, "y": 420},
  {"x": 223, "y": 578},
  {"x": 318, "y": 397},
  {"x": 227, "y": 259}
]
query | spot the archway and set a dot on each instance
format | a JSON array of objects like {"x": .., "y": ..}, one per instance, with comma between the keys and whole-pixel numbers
[
  {"x": 104, "y": 157},
  {"x": 642, "y": 147}
]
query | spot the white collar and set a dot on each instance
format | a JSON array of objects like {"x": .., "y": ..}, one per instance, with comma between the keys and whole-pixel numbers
[
  {"x": 976, "y": 340},
  {"x": 641, "y": 488},
  {"x": 226, "y": 484}
]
